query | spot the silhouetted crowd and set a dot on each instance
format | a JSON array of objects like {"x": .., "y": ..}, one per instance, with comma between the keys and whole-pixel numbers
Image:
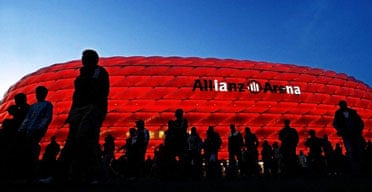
[{"x": 182, "y": 155}]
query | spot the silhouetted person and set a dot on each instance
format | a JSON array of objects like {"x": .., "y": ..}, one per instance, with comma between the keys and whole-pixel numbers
[
  {"x": 250, "y": 139},
  {"x": 303, "y": 161},
  {"x": 251, "y": 142},
  {"x": 194, "y": 159},
  {"x": 211, "y": 146},
  {"x": 349, "y": 126},
  {"x": 127, "y": 163},
  {"x": 20, "y": 113},
  {"x": 180, "y": 131},
  {"x": 166, "y": 154},
  {"x": 315, "y": 158},
  {"x": 8, "y": 139},
  {"x": 235, "y": 144},
  {"x": 88, "y": 110},
  {"x": 267, "y": 155},
  {"x": 34, "y": 127},
  {"x": 22, "y": 108},
  {"x": 9, "y": 126},
  {"x": 13, "y": 142},
  {"x": 149, "y": 167},
  {"x": 289, "y": 141},
  {"x": 340, "y": 161},
  {"x": 134, "y": 154},
  {"x": 277, "y": 165},
  {"x": 108, "y": 155},
  {"x": 328, "y": 155},
  {"x": 143, "y": 138},
  {"x": 48, "y": 167},
  {"x": 170, "y": 139}
]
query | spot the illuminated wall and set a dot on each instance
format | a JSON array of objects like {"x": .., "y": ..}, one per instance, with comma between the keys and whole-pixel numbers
[{"x": 211, "y": 91}]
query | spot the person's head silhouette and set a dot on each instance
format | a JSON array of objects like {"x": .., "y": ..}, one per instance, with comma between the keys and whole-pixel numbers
[
  {"x": 210, "y": 129},
  {"x": 53, "y": 138},
  {"x": 287, "y": 122},
  {"x": 312, "y": 133},
  {"x": 193, "y": 131},
  {"x": 41, "y": 93},
  {"x": 140, "y": 124},
  {"x": 342, "y": 104},
  {"x": 20, "y": 99},
  {"x": 179, "y": 113},
  {"x": 90, "y": 58},
  {"x": 248, "y": 130}
]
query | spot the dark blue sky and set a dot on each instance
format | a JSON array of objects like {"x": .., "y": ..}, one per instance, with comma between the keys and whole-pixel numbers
[{"x": 332, "y": 35}]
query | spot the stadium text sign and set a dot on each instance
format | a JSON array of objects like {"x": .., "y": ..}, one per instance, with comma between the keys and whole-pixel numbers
[{"x": 252, "y": 86}]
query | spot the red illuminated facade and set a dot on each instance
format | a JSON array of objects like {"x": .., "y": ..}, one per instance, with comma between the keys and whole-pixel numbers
[{"x": 211, "y": 91}]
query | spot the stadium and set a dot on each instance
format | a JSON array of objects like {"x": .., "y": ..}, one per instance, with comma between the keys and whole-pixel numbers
[{"x": 212, "y": 92}]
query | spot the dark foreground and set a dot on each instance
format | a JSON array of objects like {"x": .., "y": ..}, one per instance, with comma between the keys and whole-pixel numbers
[{"x": 300, "y": 184}]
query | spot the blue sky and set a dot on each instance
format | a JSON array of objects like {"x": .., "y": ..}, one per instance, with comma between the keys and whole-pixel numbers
[{"x": 333, "y": 35}]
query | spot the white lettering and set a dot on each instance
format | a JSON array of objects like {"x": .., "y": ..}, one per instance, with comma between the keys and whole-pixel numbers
[
  {"x": 223, "y": 86},
  {"x": 293, "y": 90},
  {"x": 253, "y": 87},
  {"x": 289, "y": 89},
  {"x": 216, "y": 85},
  {"x": 297, "y": 90}
]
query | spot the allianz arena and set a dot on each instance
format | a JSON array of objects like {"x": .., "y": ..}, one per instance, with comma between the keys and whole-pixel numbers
[{"x": 211, "y": 91}]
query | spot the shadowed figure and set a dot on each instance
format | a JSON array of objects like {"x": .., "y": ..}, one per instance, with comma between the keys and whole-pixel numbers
[
  {"x": 143, "y": 137},
  {"x": 235, "y": 144},
  {"x": 33, "y": 129},
  {"x": 349, "y": 126},
  {"x": 267, "y": 155},
  {"x": 211, "y": 146},
  {"x": 125, "y": 166},
  {"x": 251, "y": 167},
  {"x": 81, "y": 152},
  {"x": 22, "y": 108},
  {"x": 315, "y": 158},
  {"x": 8, "y": 141},
  {"x": 12, "y": 142},
  {"x": 48, "y": 164},
  {"x": 194, "y": 158},
  {"x": 289, "y": 141},
  {"x": 180, "y": 125},
  {"x": 328, "y": 155},
  {"x": 108, "y": 150}
]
